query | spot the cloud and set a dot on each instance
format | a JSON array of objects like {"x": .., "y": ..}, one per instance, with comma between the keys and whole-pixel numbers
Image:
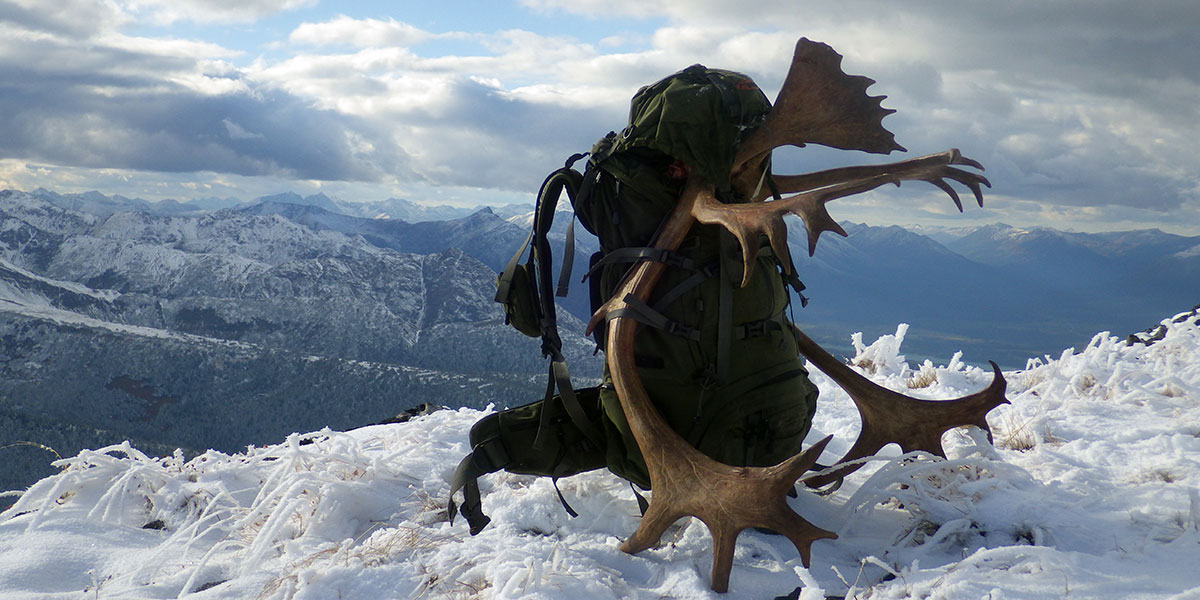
[
  {"x": 165, "y": 12},
  {"x": 236, "y": 132},
  {"x": 79, "y": 18},
  {"x": 1079, "y": 104},
  {"x": 361, "y": 33},
  {"x": 122, "y": 102},
  {"x": 1067, "y": 105}
]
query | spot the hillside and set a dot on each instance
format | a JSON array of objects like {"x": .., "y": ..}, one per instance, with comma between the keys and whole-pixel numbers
[
  {"x": 1090, "y": 492},
  {"x": 995, "y": 292},
  {"x": 222, "y": 329}
]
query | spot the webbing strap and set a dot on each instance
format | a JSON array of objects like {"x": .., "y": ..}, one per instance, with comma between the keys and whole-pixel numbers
[
  {"x": 706, "y": 272},
  {"x": 488, "y": 456},
  {"x": 548, "y": 410},
  {"x": 725, "y": 310},
  {"x": 755, "y": 329},
  {"x": 568, "y": 261},
  {"x": 643, "y": 504},
  {"x": 635, "y": 254},
  {"x": 563, "y": 500},
  {"x": 642, "y": 313},
  {"x": 570, "y": 402},
  {"x": 712, "y": 269}
]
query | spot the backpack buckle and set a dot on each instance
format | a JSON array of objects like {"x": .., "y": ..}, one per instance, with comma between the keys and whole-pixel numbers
[
  {"x": 676, "y": 260},
  {"x": 752, "y": 330},
  {"x": 684, "y": 331}
]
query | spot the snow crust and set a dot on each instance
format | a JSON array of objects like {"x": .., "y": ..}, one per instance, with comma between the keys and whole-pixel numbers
[{"x": 1090, "y": 491}]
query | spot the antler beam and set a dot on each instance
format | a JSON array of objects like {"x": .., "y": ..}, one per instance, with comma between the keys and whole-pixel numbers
[{"x": 685, "y": 482}]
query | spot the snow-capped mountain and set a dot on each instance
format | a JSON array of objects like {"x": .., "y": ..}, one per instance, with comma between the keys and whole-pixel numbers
[
  {"x": 396, "y": 209},
  {"x": 101, "y": 205},
  {"x": 1090, "y": 491},
  {"x": 399, "y": 209},
  {"x": 293, "y": 280},
  {"x": 997, "y": 292},
  {"x": 267, "y": 276},
  {"x": 247, "y": 321},
  {"x": 483, "y": 235},
  {"x": 1019, "y": 292}
]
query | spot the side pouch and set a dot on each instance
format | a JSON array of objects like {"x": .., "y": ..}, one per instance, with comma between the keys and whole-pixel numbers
[
  {"x": 566, "y": 450},
  {"x": 519, "y": 300}
]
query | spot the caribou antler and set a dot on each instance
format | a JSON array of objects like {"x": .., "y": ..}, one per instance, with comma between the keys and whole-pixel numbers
[{"x": 685, "y": 482}]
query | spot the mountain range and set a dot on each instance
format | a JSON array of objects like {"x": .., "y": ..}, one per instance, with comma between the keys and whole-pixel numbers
[
  {"x": 995, "y": 292},
  {"x": 217, "y": 329},
  {"x": 396, "y": 209},
  {"x": 217, "y": 323}
]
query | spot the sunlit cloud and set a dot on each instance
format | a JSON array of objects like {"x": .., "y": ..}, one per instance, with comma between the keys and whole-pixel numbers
[
  {"x": 360, "y": 33},
  {"x": 1067, "y": 110},
  {"x": 166, "y": 12}
]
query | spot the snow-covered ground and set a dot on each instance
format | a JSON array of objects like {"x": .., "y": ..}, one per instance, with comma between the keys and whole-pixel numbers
[{"x": 1090, "y": 492}]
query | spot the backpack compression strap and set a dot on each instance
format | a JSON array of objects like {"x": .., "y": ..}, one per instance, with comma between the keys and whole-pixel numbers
[{"x": 488, "y": 456}]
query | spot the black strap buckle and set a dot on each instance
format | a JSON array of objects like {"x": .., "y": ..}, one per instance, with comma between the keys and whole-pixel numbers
[
  {"x": 755, "y": 329},
  {"x": 679, "y": 329}
]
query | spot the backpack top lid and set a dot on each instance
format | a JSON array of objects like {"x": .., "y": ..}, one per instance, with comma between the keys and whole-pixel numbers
[{"x": 699, "y": 116}]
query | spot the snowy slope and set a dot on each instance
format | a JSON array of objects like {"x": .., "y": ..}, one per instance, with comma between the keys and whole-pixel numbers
[{"x": 1091, "y": 492}]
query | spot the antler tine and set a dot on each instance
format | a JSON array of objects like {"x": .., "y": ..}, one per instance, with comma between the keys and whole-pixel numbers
[
  {"x": 793, "y": 184},
  {"x": 748, "y": 221},
  {"x": 889, "y": 416}
]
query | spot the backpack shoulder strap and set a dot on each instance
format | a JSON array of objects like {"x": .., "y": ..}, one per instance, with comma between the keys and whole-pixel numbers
[{"x": 539, "y": 265}]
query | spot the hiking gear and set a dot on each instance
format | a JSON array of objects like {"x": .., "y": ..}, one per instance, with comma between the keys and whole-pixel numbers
[
  {"x": 719, "y": 361},
  {"x": 509, "y": 440},
  {"x": 729, "y": 499}
]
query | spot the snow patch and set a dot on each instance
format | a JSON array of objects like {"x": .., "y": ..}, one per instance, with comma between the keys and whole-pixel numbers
[{"x": 1090, "y": 491}]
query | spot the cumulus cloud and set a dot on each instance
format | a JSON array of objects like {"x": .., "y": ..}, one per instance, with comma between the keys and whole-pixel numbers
[
  {"x": 125, "y": 102},
  {"x": 78, "y": 18},
  {"x": 1076, "y": 103},
  {"x": 362, "y": 33},
  {"x": 1067, "y": 104},
  {"x": 165, "y": 12}
]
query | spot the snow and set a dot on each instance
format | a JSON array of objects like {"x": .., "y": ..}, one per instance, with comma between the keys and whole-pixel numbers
[{"x": 1090, "y": 491}]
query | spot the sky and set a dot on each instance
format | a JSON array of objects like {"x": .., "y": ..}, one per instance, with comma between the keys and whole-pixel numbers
[{"x": 1084, "y": 113}]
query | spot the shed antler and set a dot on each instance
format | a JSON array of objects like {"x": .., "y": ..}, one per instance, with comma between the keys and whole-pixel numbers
[
  {"x": 818, "y": 104},
  {"x": 686, "y": 482}
]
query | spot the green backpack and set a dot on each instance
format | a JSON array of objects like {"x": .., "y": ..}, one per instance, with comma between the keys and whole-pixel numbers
[{"x": 719, "y": 361}]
